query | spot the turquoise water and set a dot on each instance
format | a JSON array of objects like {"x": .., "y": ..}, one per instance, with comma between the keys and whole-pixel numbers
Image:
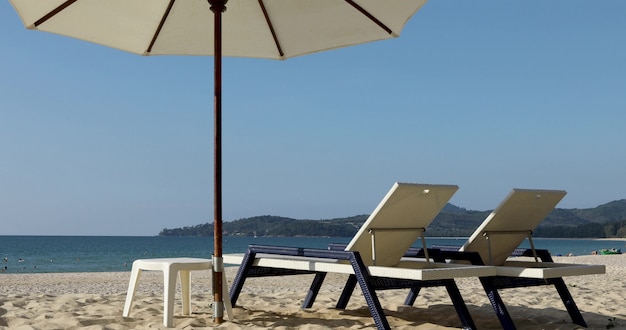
[{"x": 55, "y": 254}]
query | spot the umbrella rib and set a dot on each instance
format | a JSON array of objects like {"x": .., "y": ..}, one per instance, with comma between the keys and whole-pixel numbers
[
  {"x": 269, "y": 24},
  {"x": 370, "y": 16},
  {"x": 161, "y": 23},
  {"x": 54, "y": 12}
]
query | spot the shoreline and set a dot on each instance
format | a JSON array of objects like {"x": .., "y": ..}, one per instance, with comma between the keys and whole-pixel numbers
[{"x": 31, "y": 265}]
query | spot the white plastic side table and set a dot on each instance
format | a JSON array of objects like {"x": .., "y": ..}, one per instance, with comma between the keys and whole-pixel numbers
[{"x": 171, "y": 267}]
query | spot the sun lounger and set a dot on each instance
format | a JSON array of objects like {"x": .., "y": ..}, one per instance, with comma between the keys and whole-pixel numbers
[
  {"x": 373, "y": 257},
  {"x": 498, "y": 238}
]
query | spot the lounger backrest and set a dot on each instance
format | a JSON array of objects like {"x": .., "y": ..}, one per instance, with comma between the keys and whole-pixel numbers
[
  {"x": 399, "y": 220},
  {"x": 510, "y": 223}
]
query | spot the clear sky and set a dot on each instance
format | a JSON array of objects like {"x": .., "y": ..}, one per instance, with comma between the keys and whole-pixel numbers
[{"x": 488, "y": 95}]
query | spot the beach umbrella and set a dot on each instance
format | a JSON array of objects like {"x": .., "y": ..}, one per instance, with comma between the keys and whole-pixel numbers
[{"x": 273, "y": 29}]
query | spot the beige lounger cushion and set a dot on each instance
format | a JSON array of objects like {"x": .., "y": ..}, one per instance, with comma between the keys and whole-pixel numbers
[
  {"x": 509, "y": 224},
  {"x": 546, "y": 269},
  {"x": 397, "y": 220},
  {"x": 521, "y": 211}
]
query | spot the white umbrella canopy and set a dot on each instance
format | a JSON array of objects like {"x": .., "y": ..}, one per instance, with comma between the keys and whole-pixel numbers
[{"x": 273, "y": 29}]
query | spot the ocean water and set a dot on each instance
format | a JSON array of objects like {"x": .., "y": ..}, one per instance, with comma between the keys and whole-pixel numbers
[{"x": 57, "y": 254}]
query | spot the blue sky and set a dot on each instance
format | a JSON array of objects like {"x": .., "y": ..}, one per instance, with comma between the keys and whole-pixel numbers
[{"x": 488, "y": 95}]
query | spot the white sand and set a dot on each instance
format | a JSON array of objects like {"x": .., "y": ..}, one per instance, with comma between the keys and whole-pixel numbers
[{"x": 96, "y": 300}]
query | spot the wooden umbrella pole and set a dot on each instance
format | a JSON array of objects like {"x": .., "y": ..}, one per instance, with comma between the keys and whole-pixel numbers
[{"x": 218, "y": 7}]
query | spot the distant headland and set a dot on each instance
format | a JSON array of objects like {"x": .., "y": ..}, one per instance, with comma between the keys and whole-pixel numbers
[{"x": 604, "y": 221}]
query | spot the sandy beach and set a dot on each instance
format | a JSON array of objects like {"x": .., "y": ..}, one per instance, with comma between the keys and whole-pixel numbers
[{"x": 96, "y": 300}]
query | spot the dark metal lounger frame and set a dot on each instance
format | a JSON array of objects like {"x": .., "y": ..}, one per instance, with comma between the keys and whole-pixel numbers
[
  {"x": 369, "y": 284},
  {"x": 492, "y": 284}
]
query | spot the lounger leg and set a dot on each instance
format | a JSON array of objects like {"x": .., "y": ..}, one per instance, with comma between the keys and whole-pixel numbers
[
  {"x": 240, "y": 278},
  {"x": 568, "y": 301},
  {"x": 363, "y": 278},
  {"x": 347, "y": 292},
  {"x": 410, "y": 298},
  {"x": 497, "y": 304},
  {"x": 314, "y": 290},
  {"x": 459, "y": 305}
]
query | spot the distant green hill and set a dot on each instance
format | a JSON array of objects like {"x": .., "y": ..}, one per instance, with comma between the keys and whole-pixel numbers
[{"x": 607, "y": 220}]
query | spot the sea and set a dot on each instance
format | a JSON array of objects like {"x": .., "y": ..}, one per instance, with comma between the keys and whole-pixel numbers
[{"x": 61, "y": 254}]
